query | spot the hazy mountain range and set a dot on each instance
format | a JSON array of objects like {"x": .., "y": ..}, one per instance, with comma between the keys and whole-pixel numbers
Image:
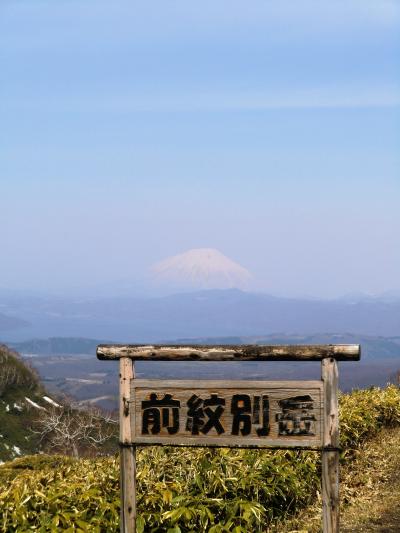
[
  {"x": 209, "y": 313},
  {"x": 372, "y": 347},
  {"x": 198, "y": 293},
  {"x": 8, "y": 323}
]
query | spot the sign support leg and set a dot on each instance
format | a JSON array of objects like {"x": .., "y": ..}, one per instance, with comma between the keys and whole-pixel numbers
[
  {"x": 127, "y": 451},
  {"x": 330, "y": 458}
]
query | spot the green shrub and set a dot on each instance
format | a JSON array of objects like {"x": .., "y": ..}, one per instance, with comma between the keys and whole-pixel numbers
[{"x": 364, "y": 412}]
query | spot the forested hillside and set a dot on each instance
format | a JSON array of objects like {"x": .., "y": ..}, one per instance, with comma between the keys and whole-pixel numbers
[{"x": 21, "y": 396}]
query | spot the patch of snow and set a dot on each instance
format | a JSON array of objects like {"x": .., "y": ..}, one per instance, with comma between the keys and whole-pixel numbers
[
  {"x": 7, "y": 408},
  {"x": 1, "y": 436},
  {"x": 49, "y": 400},
  {"x": 17, "y": 407},
  {"x": 6, "y": 446},
  {"x": 94, "y": 400},
  {"x": 17, "y": 450},
  {"x": 34, "y": 404},
  {"x": 87, "y": 381}
]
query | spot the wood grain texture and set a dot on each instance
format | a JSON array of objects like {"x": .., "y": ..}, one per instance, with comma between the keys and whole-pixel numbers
[
  {"x": 340, "y": 352},
  {"x": 330, "y": 459},
  {"x": 291, "y": 410},
  {"x": 127, "y": 454}
]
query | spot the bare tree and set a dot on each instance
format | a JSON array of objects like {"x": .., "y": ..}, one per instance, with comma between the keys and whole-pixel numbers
[{"x": 71, "y": 431}]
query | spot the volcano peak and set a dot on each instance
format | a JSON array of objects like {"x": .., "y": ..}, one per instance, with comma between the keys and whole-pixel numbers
[{"x": 201, "y": 268}]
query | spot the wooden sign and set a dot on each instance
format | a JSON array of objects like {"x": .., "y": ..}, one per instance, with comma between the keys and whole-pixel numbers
[
  {"x": 258, "y": 414},
  {"x": 227, "y": 413}
]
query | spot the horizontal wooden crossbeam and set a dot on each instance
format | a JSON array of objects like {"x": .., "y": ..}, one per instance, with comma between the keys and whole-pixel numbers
[{"x": 254, "y": 352}]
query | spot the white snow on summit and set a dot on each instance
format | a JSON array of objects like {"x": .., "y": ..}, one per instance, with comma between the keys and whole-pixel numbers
[{"x": 201, "y": 268}]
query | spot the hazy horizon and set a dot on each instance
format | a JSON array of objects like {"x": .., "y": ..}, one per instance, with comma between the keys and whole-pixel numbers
[{"x": 134, "y": 132}]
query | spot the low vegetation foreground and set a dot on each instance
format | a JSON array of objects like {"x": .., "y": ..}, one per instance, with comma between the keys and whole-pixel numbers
[{"x": 190, "y": 490}]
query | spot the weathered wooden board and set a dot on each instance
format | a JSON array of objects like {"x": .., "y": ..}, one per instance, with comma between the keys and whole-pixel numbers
[
  {"x": 227, "y": 413},
  {"x": 314, "y": 352}
]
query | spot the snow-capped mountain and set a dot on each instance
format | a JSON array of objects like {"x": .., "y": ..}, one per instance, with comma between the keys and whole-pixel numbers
[{"x": 201, "y": 268}]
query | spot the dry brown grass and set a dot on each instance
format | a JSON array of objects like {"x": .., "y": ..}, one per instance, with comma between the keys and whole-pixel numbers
[
  {"x": 370, "y": 492},
  {"x": 373, "y": 487}
]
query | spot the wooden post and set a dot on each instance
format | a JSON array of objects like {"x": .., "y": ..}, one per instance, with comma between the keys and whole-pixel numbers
[
  {"x": 127, "y": 451},
  {"x": 330, "y": 458}
]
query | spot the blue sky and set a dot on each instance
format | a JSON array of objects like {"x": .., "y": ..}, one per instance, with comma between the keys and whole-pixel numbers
[{"x": 132, "y": 131}]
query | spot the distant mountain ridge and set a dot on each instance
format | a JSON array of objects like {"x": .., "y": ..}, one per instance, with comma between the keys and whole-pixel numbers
[
  {"x": 385, "y": 347},
  {"x": 208, "y": 313},
  {"x": 58, "y": 345},
  {"x": 9, "y": 322},
  {"x": 372, "y": 347},
  {"x": 90, "y": 381}
]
